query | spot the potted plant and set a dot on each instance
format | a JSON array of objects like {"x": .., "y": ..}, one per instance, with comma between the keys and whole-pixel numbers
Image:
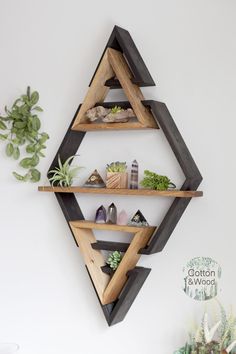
[
  {"x": 154, "y": 181},
  {"x": 219, "y": 339},
  {"x": 64, "y": 174},
  {"x": 117, "y": 177}
]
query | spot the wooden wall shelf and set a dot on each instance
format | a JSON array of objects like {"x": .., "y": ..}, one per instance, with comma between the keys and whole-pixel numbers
[
  {"x": 86, "y": 127},
  {"x": 121, "y": 66},
  {"x": 138, "y": 192}
]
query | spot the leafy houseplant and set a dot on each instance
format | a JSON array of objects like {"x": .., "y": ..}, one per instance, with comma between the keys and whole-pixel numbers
[
  {"x": 64, "y": 174},
  {"x": 117, "y": 177},
  {"x": 114, "y": 260},
  {"x": 20, "y": 127},
  {"x": 219, "y": 339},
  {"x": 154, "y": 181}
]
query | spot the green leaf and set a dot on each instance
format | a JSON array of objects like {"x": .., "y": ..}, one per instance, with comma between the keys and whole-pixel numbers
[
  {"x": 26, "y": 162},
  {"x": 36, "y": 124},
  {"x": 20, "y": 125},
  {"x": 35, "y": 175},
  {"x": 37, "y": 108},
  {"x": 17, "y": 176},
  {"x": 9, "y": 149},
  {"x": 16, "y": 153},
  {"x": 34, "y": 160},
  {"x": 3, "y": 136},
  {"x": 30, "y": 148},
  {"x": 34, "y": 98},
  {"x": 3, "y": 125}
]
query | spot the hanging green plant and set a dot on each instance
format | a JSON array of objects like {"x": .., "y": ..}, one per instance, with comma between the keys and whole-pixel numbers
[
  {"x": 64, "y": 174},
  {"x": 154, "y": 181},
  {"x": 20, "y": 127},
  {"x": 114, "y": 260}
]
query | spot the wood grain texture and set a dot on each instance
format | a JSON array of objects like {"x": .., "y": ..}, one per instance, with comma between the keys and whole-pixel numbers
[
  {"x": 117, "y": 180},
  {"x": 132, "y": 91},
  {"x": 86, "y": 224},
  {"x": 85, "y": 127},
  {"x": 128, "y": 262},
  {"x": 97, "y": 91},
  {"x": 141, "y": 192},
  {"x": 92, "y": 258}
]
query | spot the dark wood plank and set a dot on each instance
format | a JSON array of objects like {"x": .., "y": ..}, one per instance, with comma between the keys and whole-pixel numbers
[
  {"x": 121, "y": 40},
  {"x": 190, "y": 170},
  {"x": 110, "y": 246}
]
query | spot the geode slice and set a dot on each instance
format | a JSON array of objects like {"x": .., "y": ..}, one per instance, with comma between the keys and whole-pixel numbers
[
  {"x": 95, "y": 181},
  {"x": 97, "y": 112},
  {"x": 119, "y": 117},
  {"x": 138, "y": 220}
]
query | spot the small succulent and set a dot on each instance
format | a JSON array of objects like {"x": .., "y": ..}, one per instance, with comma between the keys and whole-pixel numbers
[
  {"x": 64, "y": 174},
  {"x": 116, "y": 109},
  {"x": 116, "y": 167},
  {"x": 114, "y": 260},
  {"x": 154, "y": 181}
]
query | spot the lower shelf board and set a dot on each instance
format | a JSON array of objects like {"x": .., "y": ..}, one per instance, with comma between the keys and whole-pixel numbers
[
  {"x": 86, "y": 224},
  {"x": 141, "y": 192}
]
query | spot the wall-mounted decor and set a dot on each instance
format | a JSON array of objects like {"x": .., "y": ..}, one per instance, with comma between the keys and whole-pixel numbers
[{"x": 121, "y": 66}]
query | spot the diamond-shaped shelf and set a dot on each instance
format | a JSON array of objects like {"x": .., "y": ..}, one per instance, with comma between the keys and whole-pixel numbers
[{"x": 122, "y": 66}]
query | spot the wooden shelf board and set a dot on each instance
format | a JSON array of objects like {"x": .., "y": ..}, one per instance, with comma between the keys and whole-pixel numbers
[
  {"x": 84, "y": 127},
  {"x": 141, "y": 192},
  {"x": 85, "y": 224}
]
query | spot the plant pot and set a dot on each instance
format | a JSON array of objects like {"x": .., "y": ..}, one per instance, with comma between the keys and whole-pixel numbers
[{"x": 117, "y": 180}]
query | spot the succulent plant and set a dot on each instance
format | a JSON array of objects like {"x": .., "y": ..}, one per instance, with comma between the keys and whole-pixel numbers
[
  {"x": 154, "y": 181},
  {"x": 116, "y": 109},
  {"x": 114, "y": 260},
  {"x": 64, "y": 174},
  {"x": 116, "y": 167}
]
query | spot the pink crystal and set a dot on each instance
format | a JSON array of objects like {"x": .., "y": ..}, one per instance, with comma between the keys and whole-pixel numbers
[{"x": 122, "y": 218}]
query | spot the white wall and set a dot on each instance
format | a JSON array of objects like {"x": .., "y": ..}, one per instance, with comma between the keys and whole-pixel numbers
[{"x": 47, "y": 303}]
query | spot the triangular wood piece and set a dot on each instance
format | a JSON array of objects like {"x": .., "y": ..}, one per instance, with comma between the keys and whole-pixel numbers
[
  {"x": 108, "y": 288},
  {"x": 113, "y": 64}
]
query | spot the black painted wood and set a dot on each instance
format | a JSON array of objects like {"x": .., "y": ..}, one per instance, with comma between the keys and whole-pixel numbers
[
  {"x": 190, "y": 170},
  {"x": 136, "y": 279},
  {"x": 122, "y": 104},
  {"x": 121, "y": 40},
  {"x": 110, "y": 246},
  {"x": 106, "y": 269},
  {"x": 116, "y": 311},
  {"x": 113, "y": 84},
  {"x": 69, "y": 147}
]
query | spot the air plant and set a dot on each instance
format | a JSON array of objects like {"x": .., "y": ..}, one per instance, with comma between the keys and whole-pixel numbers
[
  {"x": 117, "y": 167},
  {"x": 114, "y": 260},
  {"x": 219, "y": 339},
  {"x": 154, "y": 181},
  {"x": 64, "y": 174}
]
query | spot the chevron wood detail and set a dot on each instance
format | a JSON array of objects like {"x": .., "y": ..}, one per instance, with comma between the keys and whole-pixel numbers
[{"x": 122, "y": 67}]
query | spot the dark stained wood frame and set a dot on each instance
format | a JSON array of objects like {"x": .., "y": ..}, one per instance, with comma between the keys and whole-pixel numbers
[{"x": 121, "y": 40}]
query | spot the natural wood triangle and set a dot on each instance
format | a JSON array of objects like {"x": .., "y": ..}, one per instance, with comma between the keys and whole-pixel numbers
[
  {"x": 113, "y": 64},
  {"x": 108, "y": 288}
]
